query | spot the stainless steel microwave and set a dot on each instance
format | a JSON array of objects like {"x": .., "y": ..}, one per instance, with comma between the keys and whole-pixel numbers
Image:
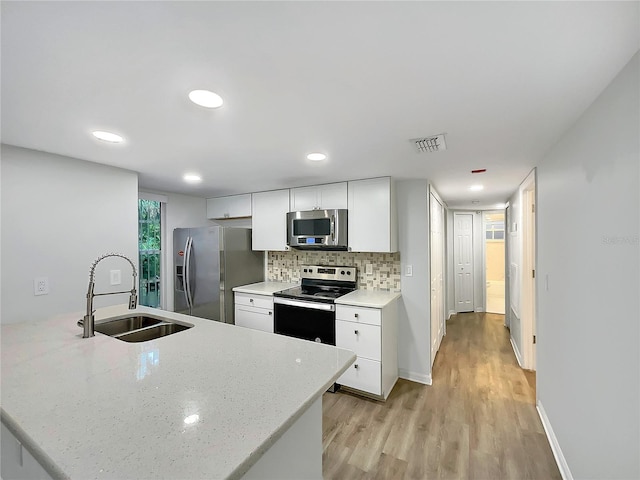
[{"x": 317, "y": 229}]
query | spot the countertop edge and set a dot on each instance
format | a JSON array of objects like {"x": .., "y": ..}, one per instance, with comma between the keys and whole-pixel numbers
[
  {"x": 259, "y": 288},
  {"x": 364, "y": 302},
  {"x": 251, "y": 460},
  {"x": 45, "y": 461}
]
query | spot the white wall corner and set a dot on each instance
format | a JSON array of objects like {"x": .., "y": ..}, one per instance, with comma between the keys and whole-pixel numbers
[
  {"x": 563, "y": 466},
  {"x": 516, "y": 351},
  {"x": 415, "y": 376}
]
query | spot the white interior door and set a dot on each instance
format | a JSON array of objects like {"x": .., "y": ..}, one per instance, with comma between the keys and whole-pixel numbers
[
  {"x": 437, "y": 274},
  {"x": 463, "y": 261}
]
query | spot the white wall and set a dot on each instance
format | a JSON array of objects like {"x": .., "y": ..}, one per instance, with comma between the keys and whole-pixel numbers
[
  {"x": 588, "y": 320},
  {"x": 414, "y": 332},
  {"x": 58, "y": 215}
]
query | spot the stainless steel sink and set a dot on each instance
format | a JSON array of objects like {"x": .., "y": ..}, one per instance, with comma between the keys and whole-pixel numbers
[
  {"x": 139, "y": 328},
  {"x": 124, "y": 325},
  {"x": 153, "y": 332}
]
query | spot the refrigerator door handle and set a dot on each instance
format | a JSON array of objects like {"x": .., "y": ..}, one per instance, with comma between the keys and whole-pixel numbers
[{"x": 187, "y": 273}]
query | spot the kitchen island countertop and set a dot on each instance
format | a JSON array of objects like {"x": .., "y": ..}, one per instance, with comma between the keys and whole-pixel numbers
[{"x": 206, "y": 402}]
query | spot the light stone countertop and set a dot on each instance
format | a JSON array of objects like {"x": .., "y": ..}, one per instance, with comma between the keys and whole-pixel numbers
[
  {"x": 368, "y": 298},
  {"x": 264, "y": 288},
  {"x": 108, "y": 409}
]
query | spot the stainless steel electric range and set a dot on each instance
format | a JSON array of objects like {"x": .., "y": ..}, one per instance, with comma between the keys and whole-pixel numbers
[{"x": 309, "y": 311}]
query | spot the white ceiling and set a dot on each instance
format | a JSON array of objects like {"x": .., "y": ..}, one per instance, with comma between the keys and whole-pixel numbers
[{"x": 357, "y": 80}]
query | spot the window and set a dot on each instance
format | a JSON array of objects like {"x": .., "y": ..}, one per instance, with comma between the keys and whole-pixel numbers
[
  {"x": 494, "y": 230},
  {"x": 149, "y": 241}
]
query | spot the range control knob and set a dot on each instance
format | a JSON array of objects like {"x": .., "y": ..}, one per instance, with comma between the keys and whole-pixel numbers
[
  {"x": 305, "y": 270},
  {"x": 349, "y": 273},
  {"x": 311, "y": 270},
  {"x": 342, "y": 272}
]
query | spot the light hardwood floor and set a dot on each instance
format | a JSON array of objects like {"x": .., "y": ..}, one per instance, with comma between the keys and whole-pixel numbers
[{"x": 478, "y": 419}]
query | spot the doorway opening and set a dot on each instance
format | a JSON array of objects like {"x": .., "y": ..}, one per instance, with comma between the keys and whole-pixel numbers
[
  {"x": 494, "y": 248},
  {"x": 149, "y": 252}
]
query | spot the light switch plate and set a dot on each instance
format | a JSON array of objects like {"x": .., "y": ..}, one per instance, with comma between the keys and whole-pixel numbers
[
  {"x": 408, "y": 271},
  {"x": 116, "y": 277},
  {"x": 369, "y": 269}
]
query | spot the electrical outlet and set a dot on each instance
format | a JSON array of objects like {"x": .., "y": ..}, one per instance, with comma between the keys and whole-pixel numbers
[
  {"x": 368, "y": 269},
  {"x": 408, "y": 271},
  {"x": 116, "y": 277},
  {"x": 41, "y": 286}
]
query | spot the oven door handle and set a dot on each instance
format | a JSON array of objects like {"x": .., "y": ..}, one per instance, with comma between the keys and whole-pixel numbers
[{"x": 329, "y": 307}]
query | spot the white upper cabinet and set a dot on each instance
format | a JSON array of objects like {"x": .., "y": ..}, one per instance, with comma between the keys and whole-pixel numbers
[
  {"x": 234, "y": 206},
  {"x": 319, "y": 197},
  {"x": 269, "y": 222},
  {"x": 373, "y": 223}
]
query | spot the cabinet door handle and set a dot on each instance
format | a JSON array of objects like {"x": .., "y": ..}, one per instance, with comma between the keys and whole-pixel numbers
[
  {"x": 355, "y": 315},
  {"x": 356, "y": 366},
  {"x": 270, "y": 313},
  {"x": 251, "y": 300},
  {"x": 356, "y": 332}
]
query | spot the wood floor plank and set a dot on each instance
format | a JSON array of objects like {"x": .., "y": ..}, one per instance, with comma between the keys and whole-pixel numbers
[{"x": 477, "y": 421}]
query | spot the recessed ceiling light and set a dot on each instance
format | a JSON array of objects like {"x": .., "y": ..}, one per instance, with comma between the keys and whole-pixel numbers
[
  {"x": 191, "y": 419},
  {"x": 205, "y": 98},
  {"x": 476, "y": 188},
  {"x": 192, "y": 178},
  {"x": 316, "y": 157},
  {"x": 107, "y": 136}
]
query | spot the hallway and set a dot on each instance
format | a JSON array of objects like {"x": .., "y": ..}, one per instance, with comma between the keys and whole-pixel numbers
[{"x": 478, "y": 419}]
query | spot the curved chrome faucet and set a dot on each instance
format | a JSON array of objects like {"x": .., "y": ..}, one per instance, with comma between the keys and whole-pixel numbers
[{"x": 88, "y": 320}]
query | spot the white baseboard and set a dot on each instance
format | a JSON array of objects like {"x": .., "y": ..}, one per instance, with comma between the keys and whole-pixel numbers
[
  {"x": 553, "y": 442},
  {"x": 414, "y": 376},
  {"x": 478, "y": 309},
  {"x": 516, "y": 351},
  {"x": 451, "y": 312}
]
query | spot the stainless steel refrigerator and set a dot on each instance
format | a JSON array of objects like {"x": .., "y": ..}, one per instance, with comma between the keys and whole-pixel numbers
[{"x": 208, "y": 263}]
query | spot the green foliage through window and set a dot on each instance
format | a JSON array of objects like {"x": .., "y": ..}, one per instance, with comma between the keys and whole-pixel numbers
[{"x": 149, "y": 247}]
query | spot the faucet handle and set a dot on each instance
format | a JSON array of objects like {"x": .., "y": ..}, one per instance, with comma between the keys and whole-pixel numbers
[{"x": 133, "y": 301}]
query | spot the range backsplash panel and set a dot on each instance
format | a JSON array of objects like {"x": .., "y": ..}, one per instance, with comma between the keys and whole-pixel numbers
[{"x": 285, "y": 267}]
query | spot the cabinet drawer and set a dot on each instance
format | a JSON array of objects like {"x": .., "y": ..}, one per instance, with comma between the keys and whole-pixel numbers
[
  {"x": 259, "y": 301},
  {"x": 361, "y": 338},
  {"x": 363, "y": 375},
  {"x": 371, "y": 316},
  {"x": 256, "y": 318}
]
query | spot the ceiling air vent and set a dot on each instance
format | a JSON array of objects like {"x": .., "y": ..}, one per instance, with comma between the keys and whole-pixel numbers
[{"x": 435, "y": 143}]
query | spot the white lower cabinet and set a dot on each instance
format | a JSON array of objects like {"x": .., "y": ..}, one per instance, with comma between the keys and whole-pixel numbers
[
  {"x": 254, "y": 311},
  {"x": 364, "y": 375},
  {"x": 372, "y": 334},
  {"x": 17, "y": 463}
]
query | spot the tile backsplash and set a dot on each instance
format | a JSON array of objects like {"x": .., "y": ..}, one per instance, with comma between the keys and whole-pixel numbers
[{"x": 285, "y": 267}]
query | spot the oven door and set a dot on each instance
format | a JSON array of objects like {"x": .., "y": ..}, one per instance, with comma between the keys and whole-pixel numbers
[{"x": 313, "y": 321}]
